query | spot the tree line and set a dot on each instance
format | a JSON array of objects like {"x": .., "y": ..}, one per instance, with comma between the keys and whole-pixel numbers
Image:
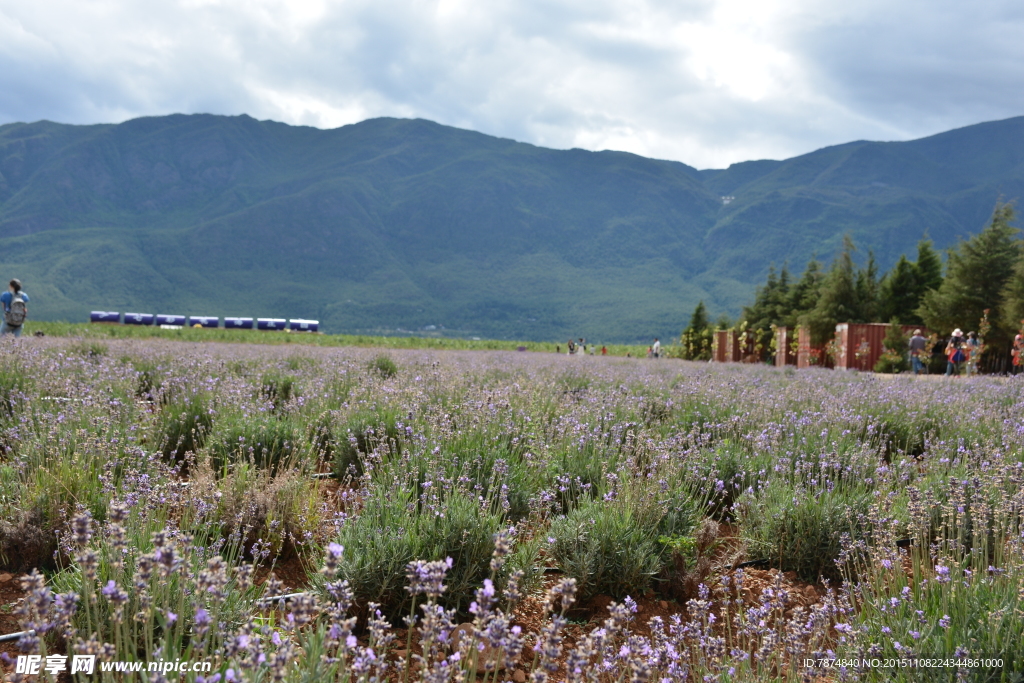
[{"x": 983, "y": 277}]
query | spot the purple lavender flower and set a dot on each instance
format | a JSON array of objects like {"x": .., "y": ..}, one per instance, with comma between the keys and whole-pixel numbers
[{"x": 427, "y": 577}]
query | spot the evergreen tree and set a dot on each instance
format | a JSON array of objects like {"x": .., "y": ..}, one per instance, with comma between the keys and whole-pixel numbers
[
  {"x": 894, "y": 356},
  {"x": 838, "y": 300},
  {"x": 900, "y": 294},
  {"x": 867, "y": 290},
  {"x": 902, "y": 289},
  {"x": 929, "y": 266},
  {"x": 696, "y": 338},
  {"x": 804, "y": 294},
  {"x": 771, "y": 304},
  {"x": 782, "y": 301},
  {"x": 978, "y": 272},
  {"x": 1013, "y": 299},
  {"x": 761, "y": 310}
]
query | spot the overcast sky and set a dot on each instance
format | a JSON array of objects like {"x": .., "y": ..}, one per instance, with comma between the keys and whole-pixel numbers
[{"x": 706, "y": 82}]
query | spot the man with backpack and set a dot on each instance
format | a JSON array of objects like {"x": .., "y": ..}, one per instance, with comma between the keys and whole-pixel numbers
[{"x": 15, "y": 303}]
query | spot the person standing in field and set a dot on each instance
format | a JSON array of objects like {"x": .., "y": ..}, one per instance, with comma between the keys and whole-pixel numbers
[
  {"x": 918, "y": 344},
  {"x": 972, "y": 347},
  {"x": 15, "y": 302},
  {"x": 955, "y": 353},
  {"x": 656, "y": 348},
  {"x": 1018, "y": 353}
]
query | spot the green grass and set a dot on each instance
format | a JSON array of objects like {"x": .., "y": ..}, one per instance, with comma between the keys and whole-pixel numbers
[{"x": 88, "y": 331}]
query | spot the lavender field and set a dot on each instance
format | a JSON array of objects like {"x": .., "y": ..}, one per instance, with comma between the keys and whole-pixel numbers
[{"x": 531, "y": 516}]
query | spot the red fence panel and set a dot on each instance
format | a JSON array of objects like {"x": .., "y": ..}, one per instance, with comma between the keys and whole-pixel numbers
[
  {"x": 860, "y": 344},
  {"x": 783, "y": 347}
]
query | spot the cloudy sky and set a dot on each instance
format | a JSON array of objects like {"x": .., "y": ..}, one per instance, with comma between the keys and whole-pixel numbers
[{"x": 707, "y": 82}]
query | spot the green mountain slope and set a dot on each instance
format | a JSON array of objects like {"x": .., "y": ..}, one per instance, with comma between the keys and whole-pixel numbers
[{"x": 399, "y": 224}]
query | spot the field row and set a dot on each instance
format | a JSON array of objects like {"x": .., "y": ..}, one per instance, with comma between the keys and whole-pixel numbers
[{"x": 670, "y": 520}]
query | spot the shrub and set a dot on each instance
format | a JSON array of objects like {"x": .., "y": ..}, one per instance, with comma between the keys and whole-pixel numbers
[
  {"x": 737, "y": 471},
  {"x": 88, "y": 349},
  {"x": 895, "y": 434},
  {"x": 362, "y": 433},
  {"x": 392, "y": 531},
  {"x": 183, "y": 425},
  {"x": 149, "y": 379},
  {"x": 799, "y": 530},
  {"x": 265, "y": 440},
  {"x": 268, "y": 517},
  {"x": 577, "y": 472},
  {"x": 277, "y": 389},
  {"x": 894, "y": 356},
  {"x": 689, "y": 560},
  {"x": 608, "y": 548},
  {"x": 494, "y": 463},
  {"x": 891, "y": 363},
  {"x": 383, "y": 366},
  {"x": 134, "y": 615},
  {"x": 13, "y": 387}
]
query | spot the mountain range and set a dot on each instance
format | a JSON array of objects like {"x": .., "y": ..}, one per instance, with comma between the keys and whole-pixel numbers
[{"x": 397, "y": 225}]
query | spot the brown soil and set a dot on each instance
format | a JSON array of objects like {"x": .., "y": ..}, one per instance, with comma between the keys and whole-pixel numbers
[
  {"x": 290, "y": 572},
  {"x": 10, "y": 594}
]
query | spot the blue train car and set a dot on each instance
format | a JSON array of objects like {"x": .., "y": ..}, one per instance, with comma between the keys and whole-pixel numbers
[
  {"x": 203, "y": 321},
  {"x": 104, "y": 317},
  {"x": 139, "y": 318},
  {"x": 299, "y": 325},
  {"x": 271, "y": 323},
  {"x": 167, "y": 319},
  {"x": 238, "y": 323}
]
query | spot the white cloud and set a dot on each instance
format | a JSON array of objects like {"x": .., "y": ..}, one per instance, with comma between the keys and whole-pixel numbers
[{"x": 707, "y": 82}]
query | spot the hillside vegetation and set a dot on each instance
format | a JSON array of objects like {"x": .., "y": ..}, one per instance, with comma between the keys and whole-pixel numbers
[{"x": 390, "y": 225}]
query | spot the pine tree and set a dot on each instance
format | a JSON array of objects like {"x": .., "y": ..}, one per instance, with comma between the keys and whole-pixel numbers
[
  {"x": 894, "y": 356},
  {"x": 761, "y": 310},
  {"x": 770, "y": 307},
  {"x": 900, "y": 294},
  {"x": 867, "y": 290},
  {"x": 928, "y": 265},
  {"x": 838, "y": 300},
  {"x": 1013, "y": 299},
  {"x": 804, "y": 294},
  {"x": 978, "y": 272},
  {"x": 782, "y": 299},
  {"x": 696, "y": 338}
]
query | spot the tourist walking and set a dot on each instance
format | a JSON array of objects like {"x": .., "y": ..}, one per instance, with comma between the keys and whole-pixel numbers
[
  {"x": 918, "y": 344},
  {"x": 1018, "y": 354},
  {"x": 955, "y": 353},
  {"x": 15, "y": 302},
  {"x": 972, "y": 348},
  {"x": 656, "y": 348}
]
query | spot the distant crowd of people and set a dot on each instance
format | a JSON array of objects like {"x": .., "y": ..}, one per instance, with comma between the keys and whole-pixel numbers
[
  {"x": 580, "y": 348},
  {"x": 962, "y": 353}
]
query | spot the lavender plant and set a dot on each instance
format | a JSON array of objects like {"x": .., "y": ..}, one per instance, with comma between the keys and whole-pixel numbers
[{"x": 126, "y": 479}]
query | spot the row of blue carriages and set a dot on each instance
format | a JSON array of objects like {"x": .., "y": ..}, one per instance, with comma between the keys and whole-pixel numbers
[{"x": 293, "y": 324}]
